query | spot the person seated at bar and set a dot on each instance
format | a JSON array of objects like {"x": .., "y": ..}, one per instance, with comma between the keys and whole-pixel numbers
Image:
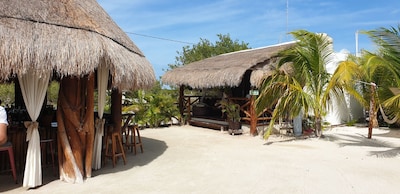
[{"x": 3, "y": 125}]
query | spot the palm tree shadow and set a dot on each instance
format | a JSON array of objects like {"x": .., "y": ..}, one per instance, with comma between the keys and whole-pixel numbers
[
  {"x": 280, "y": 141},
  {"x": 392, "y": 133},
  {"x": 391, "y": 153},
  {"x": 288, "y": 139},
  {"x": 360, "y": 140},
  {"x": 355, "y": 140}
]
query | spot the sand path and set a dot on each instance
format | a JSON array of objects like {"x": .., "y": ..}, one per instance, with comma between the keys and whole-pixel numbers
[{"x": 186, "y": 159}]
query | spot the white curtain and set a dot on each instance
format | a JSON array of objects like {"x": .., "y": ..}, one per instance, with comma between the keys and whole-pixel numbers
[
  {"x": 102, "y": 80},
  {"x": 33, "y": 87}
]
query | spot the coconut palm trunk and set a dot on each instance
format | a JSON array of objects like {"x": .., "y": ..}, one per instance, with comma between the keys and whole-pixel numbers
[
  {"x": 373, "y": 120},
  {"x": 75, "y": 119},
  {"x": 318, "y": 126}
]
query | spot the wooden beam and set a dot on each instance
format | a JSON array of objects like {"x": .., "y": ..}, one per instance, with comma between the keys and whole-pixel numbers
[
  {"x": 253, "y": 116},
  {"x": 181, "y": 103},
  {"x": 89, "y": 124},
  {"x": 116, "y": 108}
]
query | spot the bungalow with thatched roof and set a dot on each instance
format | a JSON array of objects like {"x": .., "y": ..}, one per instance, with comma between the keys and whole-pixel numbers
[
  {"x": 242, "y": 70},
  {"x": 72, "y": 40}
]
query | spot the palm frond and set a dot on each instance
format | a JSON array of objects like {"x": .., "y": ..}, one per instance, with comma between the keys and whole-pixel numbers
[
  {"x": 303, "y": 90},
  {"x": 345, "y": 77},
  {"x": 388, "y": 40},
  {"x": 392, "y": 107}
]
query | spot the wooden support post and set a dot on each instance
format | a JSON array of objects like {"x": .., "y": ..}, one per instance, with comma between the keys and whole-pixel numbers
[
  {"x": 116, "y": 108},
  {"x": 181, "y": 104},
  {"x": 253, "y": 116},
  {"x": 75, "y": 128},
  {"x": 188, "y": 109},
  {"x": 89, "y": 124}
]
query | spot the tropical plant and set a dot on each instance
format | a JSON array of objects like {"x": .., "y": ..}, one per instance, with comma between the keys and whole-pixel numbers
[
  {"x": 367, "y": 72},
  {"x": 7, "y": 94},
  {"x": 305, "y": 88},
  {"x": 388, "y": 41},
  {"x": 231, "y": 109},
  {"x": 154, "y": 107},
  {"x": 376, "y": 74},
  {"x": 52, "y": 93}
]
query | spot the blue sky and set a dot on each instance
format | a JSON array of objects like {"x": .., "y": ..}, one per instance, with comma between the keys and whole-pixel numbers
[{"x": 257, "y": 22}]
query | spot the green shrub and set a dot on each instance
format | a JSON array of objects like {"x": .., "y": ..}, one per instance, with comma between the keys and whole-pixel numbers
[
  {"x": 351, "y": 122},
  {"x": 153, "y": 108}
]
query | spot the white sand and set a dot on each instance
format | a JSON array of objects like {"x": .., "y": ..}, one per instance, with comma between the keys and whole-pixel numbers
[{"x": 198, "y": 160}]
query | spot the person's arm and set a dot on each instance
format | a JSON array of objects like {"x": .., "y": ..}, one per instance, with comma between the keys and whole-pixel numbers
[
  {"x": 3, "y": 125},
  {"x": 3, "y": 133}
]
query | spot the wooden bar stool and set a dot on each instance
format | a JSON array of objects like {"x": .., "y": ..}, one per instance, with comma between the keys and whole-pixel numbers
[
  {"x": 47, "y": 146},
  {"x": 114, "y": 138},
  {"x": 9, "y": 148},
  {"x": 133, "y": 140},
  {"x": 43, "y": 147}
]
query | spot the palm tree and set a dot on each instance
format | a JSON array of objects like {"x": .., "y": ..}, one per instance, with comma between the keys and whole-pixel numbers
[
  {"x": 377, "y": 75},
  {"x": 306, "y": 87},
  {"x": 388, "y": 40},
  {"x": 369, "y": 76}
]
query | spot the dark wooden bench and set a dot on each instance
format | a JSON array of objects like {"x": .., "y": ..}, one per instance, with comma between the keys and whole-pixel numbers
[{"x": 209, "y": 123}]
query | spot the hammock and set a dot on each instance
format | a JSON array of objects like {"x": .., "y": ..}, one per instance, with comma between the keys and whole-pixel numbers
[{"x": 386, "y": 118}]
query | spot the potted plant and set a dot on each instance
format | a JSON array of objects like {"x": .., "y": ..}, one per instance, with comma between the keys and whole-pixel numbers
[{"x": 232, "y": 111}]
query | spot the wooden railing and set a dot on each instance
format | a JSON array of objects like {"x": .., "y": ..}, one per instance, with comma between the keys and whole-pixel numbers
[{"x": 263, "y": 118}]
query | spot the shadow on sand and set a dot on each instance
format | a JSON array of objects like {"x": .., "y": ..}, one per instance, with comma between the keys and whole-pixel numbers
[
  {"x": 360, "y": 140},
  {"x": 152, "y": 149},
  {"x": 288, "y": 138}
]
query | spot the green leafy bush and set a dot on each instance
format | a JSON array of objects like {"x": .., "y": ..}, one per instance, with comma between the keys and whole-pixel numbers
[{"x": 153, "y": 108}]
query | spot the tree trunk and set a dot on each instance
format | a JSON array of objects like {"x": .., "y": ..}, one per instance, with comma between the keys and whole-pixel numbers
[
  {"x": 373, "y": 120},
  {"x": 75, "y": 117},
  {"x": 318, "y": 127}
]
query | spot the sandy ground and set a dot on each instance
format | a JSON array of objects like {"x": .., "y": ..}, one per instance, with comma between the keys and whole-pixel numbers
[{"x": 186, "y": 159}]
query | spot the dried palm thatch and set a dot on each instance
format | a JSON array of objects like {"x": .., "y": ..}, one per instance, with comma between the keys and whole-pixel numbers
[
  {"x": 71, "y": 37},
  {"x": 227, "y": 69}
]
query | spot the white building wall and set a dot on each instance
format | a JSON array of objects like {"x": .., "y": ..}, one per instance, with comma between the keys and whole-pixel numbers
[{"x": 342, "y": 112}]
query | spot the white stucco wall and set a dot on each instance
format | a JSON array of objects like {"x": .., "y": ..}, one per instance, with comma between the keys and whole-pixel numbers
[{"x": 342, "y": 112}]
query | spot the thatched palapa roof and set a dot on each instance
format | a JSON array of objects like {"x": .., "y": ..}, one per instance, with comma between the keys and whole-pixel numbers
[
  {"x": 226, "y": 69},
  {"x": 72, "y": 37}
]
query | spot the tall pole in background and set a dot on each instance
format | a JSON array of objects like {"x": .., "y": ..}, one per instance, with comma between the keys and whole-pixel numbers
[
  {"x": 287, "y": 19},
  {"x": 357, "y": 53}
]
